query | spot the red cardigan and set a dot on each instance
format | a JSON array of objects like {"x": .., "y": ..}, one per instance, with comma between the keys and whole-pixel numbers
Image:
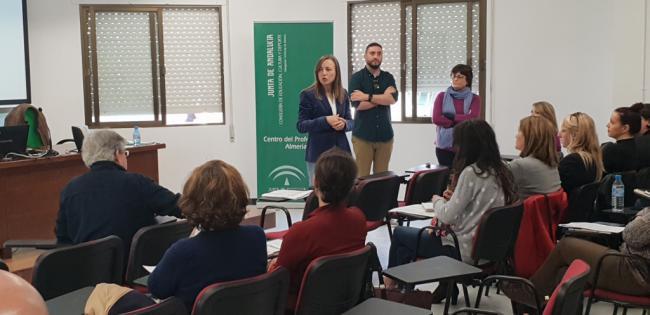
[
  {"x": 537, "y": 232},
  {"x": 328, "y": 230}
]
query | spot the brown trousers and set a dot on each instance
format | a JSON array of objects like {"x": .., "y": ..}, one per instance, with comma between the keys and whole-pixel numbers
[
  {"x": 375, "y": 153},
  {"x": 614, "y": 272}
]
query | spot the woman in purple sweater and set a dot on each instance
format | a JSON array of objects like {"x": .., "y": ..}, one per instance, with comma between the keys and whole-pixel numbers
[{"x": 455, "y": 105}]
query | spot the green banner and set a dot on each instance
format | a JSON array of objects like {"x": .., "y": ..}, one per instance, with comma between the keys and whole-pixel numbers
[{"x": 285, "y": 57}]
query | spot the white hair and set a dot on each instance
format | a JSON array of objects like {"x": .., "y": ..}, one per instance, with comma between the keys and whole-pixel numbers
[{"x": 101, "y": 145}]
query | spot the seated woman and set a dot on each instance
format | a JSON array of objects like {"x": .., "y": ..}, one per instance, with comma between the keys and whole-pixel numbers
[
  {"x": 483, "y": 182},
  {"x": 331, "y": 229},
  {"x": 545, "y": 109},
  {"x": 622, "y": 155},
  {"x": 618, "y": 274},
  {"x": 583, "y": 164},
  {"x": 214, "y": 201},
  {"x": 643, "y": 137},
  {"x": 536, "y": 172}
]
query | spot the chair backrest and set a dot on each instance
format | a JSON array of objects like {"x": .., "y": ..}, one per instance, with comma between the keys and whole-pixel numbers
[
  {"x": 332, "y": 284},
  {"x": 424, "y": 184},
  {"x": 538, "y": 231},
  {"x": 311, "y": 204},
  {"x": 65, "y": 269},
  {"x": 3, "y": 266},
  {"x": 567, "y": 296},
  {"x": 169, "y": 306},
  {"x": 150, "y": 243},
  {"x": 497, "y": 232},
  {"x": 263, "y": 294},
  {"x": 581, "y": 203},
  {"x": 376, "y": 194},
  {"x": 605, "y": 190},
  {"x": 643, "y": 178}
]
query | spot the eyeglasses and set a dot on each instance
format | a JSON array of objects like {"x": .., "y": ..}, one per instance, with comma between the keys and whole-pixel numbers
[{"x": 458, "y": 76}]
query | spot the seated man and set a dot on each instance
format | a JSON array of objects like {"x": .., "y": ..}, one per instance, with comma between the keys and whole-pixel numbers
[{"x": 108, "y": 200}]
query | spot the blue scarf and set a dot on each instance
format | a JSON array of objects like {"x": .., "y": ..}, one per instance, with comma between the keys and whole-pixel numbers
[{"x": 445, "y": 136}]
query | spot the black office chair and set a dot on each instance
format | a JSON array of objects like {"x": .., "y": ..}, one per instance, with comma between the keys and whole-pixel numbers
[
  {"x": 333, "y": 284},
  {"x": 63, "y": 270},
  {"x": 424, "y": 184},
  {"x": 265, "y": 294},
  {"x": 149, "y": 245},
  {"x": 375, "y": 195},
  {"x": 169, "y": 306},
  {"x": 566, "y": 298},
  {"x": 582, "y": 202}
]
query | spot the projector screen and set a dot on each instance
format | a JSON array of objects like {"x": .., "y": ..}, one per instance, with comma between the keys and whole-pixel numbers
[{"x": 14, "y": 53}]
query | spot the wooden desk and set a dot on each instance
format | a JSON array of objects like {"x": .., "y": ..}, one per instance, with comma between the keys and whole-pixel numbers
[{"x": 30, "y": 189}]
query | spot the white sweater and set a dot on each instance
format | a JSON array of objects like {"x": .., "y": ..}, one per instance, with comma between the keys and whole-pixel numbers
[{"x": 473, "y": 196}]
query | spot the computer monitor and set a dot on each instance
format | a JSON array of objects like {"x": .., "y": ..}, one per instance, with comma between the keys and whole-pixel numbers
[{"x": 13, "y": 139}]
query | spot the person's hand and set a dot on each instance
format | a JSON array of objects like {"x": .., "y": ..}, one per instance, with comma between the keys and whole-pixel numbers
[
  {"x": 436, "y": 198},
  {"x": 449, "y": 116},
  {"x": 340, "y": 124},
  {"x": 434, "y": 222},
  {"x": 447, "y": 194},
  {"x": 332, "y": 120},
  {"x": 358, "y": 96}
]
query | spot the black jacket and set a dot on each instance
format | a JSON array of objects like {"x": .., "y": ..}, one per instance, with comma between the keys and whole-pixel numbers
[{"x": 110, "y": 201}]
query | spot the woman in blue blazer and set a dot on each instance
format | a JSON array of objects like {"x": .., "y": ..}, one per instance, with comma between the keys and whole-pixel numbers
[{"x": 324, "y": 112}]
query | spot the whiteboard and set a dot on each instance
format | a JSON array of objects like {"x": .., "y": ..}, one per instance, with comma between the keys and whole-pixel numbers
[{"x": 14, "y": 53}]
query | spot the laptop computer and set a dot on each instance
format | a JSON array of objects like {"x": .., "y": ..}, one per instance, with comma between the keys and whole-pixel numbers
[{"x": 13, "y": 139}]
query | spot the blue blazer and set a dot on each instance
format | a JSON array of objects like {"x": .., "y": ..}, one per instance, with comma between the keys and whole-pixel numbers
[{"x": 311, "y": 119}]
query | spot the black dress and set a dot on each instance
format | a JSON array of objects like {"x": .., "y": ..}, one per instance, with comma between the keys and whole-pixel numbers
[{"x": 574, "y": 173}]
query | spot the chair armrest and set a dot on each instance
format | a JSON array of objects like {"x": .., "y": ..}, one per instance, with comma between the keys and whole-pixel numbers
[
  {"x": 522, "y": 281},
  {"x": 9, "y": 245},
  {"x": 602, "y": 258},
  {"x": 444, "y": 228},
  {"x": 283, "y": 209}
]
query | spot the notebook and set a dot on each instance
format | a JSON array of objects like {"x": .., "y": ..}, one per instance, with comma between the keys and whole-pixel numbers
[{"x": 13, "y": 139}]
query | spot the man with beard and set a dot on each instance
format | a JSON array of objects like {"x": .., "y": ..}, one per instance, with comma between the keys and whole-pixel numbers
[{"x": 373, "y": 91}]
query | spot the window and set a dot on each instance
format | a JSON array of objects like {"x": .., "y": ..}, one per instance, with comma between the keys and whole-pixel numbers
[
  {"x": 152, "y": 65},
  {"x": 422, "y": 40}
]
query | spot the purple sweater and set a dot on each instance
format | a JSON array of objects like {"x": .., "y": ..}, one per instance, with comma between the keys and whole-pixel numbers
[{"x": 441, "y": 121}]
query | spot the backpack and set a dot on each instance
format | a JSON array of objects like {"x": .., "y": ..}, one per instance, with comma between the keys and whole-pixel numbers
[{"x": 39, "y": 133}]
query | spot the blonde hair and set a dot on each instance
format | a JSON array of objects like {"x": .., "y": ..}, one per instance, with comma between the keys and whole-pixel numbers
[
  {"x": 539, "y": 137},
  {"x": 584, "y": 142},
  {"x": 546, "y": 110}
]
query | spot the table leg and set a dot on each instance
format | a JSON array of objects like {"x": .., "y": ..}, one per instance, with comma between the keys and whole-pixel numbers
[{"x": 450, "y": 291}]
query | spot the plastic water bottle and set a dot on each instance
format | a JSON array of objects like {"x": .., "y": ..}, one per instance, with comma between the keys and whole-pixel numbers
[
  {"x": 618, "y": 194},
  {"x": 136, "y": 136}
]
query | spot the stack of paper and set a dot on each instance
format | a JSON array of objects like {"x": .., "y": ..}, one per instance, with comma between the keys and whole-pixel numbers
[
  {"x": 421, "y": 210},
  {"x": 596, "y": 227},
  {"x": 643, "y": 193},
  {"x": 149, "y": 269},
  {"x": 273, "y": 247},
  {"x": 287, "y": 194}
]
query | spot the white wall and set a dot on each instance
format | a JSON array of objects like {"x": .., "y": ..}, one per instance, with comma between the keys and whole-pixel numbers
[{"x": 580, "y": 55}]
